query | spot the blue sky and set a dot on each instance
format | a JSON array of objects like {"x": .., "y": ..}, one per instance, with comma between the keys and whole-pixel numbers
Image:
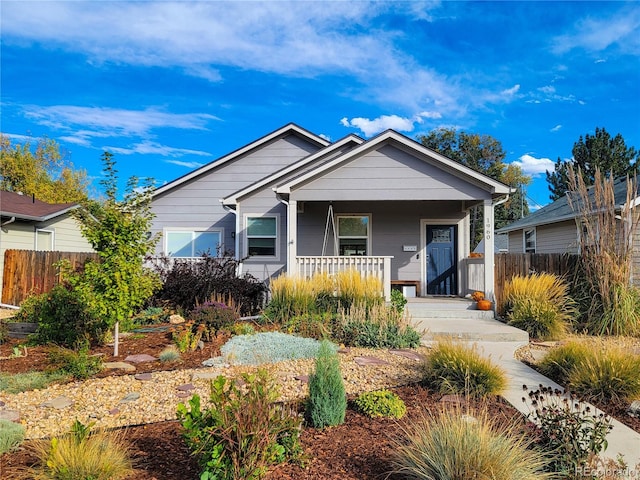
[{"x": 169, "y": 86}]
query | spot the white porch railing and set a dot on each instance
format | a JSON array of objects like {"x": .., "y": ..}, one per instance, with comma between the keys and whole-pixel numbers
[{"x": 379, "y": 267}]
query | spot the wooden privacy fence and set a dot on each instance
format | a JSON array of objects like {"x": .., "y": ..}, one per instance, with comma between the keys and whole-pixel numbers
[
  {"x": 507, "y": 265},
  {"x": 28, "y": 272}
]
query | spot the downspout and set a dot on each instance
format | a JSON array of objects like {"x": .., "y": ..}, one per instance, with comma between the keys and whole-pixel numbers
[{"x": 11, "y": 220}]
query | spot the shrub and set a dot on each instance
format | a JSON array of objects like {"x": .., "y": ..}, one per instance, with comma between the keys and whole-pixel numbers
[
  {"x": 243, "y": 432},
  {"x": 327, "y": 402},
  {"x": 187, "y": 336},
  {"x": 150, "y": 316},
  {"x": 269, "y": 347},
  {"x": 378, "y": 326},
  {"x": 449, "y": 445},
  {"x": 310, "y": 325},
  {"x": 458, "y": 369},
  {"x": 186, "y": 284},
  {"x": 23, "y": 382},
  {"x": 381, "y": 403},
  {"x": 610, "y": 374},
  {"x": 83, "y": 455},
  {"x": 4, "y": 332},
  {"x": 398, "y": 301},
  {"x": 213, "y": 316},
  {"x": 11, "y": 435},
  {"x": 78, "y": 364},
  {"x": 560, "y": 361},
  {"x": 64, "y": 316},
  {"x": 243, "y": 328},
  {"x": 620, "y": 313},
  {"x": 539, "y": 304},
  {"x": 169, "y": 354},
  {"x": 567, "y": 430}
]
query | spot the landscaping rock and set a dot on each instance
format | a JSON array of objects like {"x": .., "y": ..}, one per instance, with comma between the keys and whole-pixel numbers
[
  {"x": 215, "y": 362},
  {"x": 183, "y": 394},
  {"x": 410, "y": 354},
  {"x": 362, "y": 361},
  {"x": 453, "y": 400},
  {"x": 127, "y": 367},
  {"x": 205, "y": 376},
  {"x": 176, "y": 319},
  {"x": 187, "y": 387},
  {"x": 58, "y": 403},
  {"x": 130, "y": 397},
  {"x": 140, "y": 358},
  {"x": 114, "y": 411},
  {"x": 634, "y": 409},
  {"x": 200, "y": 345},
  {"x": 344, "y": 350},
  {"x": 302, "y": 378},
  {"x": 11, "y": 415},
  {"x": 143, "y": 377}
]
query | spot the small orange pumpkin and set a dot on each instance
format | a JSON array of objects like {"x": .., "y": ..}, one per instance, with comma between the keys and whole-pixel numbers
[{"x": 484, "y": 305}]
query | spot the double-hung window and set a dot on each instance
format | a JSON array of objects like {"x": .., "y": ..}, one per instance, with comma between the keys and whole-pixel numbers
[
  {"x": 44, "y": 239},
  {"x": 192, "y": 243},
  {"x": 262, "y": 236},
  {"x": 353, "y": 234},
  {"x": 530, "y": 241}
]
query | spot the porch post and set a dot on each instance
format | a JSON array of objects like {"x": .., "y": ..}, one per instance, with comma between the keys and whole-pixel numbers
[
  {"x": 386, "y": 279},
  {"x": 292, "y": 229},
  {"x": 489, "y": 255}
]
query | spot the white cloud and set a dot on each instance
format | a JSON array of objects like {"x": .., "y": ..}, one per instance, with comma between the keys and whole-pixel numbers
[
  {"x": 511, "y": 91},
  {"x": 21, "y": 138},
  {"x": 402, "y": 124},
  {"x": 621, "y": 30},
  {"x": 185, "y": 164},
  {"x": 531, "y": 165},
  {"x": 548, "y": 89},
  {"x": 556, "y": 128},
  {"x": 153, "y": 148}
]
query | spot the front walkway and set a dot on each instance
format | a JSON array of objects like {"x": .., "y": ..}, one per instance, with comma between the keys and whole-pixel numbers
[{"x": 494, "y": 339}]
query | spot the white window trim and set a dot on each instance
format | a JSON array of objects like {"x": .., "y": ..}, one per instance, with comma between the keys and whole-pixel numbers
[
  {"x": 524, "y": 239},
  {"x": 245, "y": 239},
  {"x": 53, "y": 238},
  {"x": 369, "y": 229},
  {"x": 167, "y": 230}
]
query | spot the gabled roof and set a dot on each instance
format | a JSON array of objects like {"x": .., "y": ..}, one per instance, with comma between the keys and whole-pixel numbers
[
  {"x": 289, "y": 169},
  {"x": 26, "y": 207},
  {"x": 288, "y": 129},
  {"x": 416, "y": 148},
  {"x": 561, "y": 210}
]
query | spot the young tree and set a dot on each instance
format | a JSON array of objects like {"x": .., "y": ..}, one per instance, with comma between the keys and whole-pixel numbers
[
  {"x": 600, "y": 151},
  {"x": 484, "y": 154},
  {"x": 118, "y": 230},
  {"x": 40, "y": 170}
]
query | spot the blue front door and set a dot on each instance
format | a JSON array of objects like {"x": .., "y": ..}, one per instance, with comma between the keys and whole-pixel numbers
[{"x": 442, "y": 277}]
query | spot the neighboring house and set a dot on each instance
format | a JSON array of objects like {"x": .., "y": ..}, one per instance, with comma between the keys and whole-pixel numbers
[
  {"x": 500, "y": 244},
  {"x": 555, "y": 228},
  {"x": 294, "y": 202},
  {"x": 27, "y": 223}
]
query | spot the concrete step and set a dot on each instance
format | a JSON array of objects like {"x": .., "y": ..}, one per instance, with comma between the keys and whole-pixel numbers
[{"x": 468, "y": 329}]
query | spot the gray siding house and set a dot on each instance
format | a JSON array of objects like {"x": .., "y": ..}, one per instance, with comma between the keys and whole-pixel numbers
[{"x": 292, "y": 202}]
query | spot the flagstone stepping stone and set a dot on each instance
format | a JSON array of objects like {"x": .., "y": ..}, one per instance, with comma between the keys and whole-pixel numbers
[
  {"x": 362, "y": 361},
  {"x": 204, "y": 376},
  {"x": 59, "y": 403},
  {"x": 119, "y": 366},
  {"x": 130, "y": 397},
  {"x": 139, "y": 358},
  {"x": 186, "y": 387},
  {"x": 453, "y": 399},
  {"x": 143, "y": 377},
  {"x": 114, "y": 411},
  {"x": 344, "y": 350},
  {"x": 302, "y": 378},
  {"x": 183, "y": 394},
  {"x": 410, "y": 354},
  {"x": 2, "y": 404},
  {"x": 10, "y": 415}
]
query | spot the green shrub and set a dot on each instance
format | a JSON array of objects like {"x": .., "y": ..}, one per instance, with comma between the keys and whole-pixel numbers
[
  {"x": 327, "y": 402},
  {"x": 11, "y": 435},
  {"x": 78, "y": 364},
  {"x": 560, "y": 361},
  {"x": 269, "y": 347},
  {"x": 169, "y": 354},
  {"x": 186, "y": 337},
  {"x": 244, "y": 432},
  {"x": 567, "y": 430},
  {"x": 381, "y": 403},
  {"x": 186, "y": 284},
  {"x": 398, "y": 301},
  {"x": 452, "y": 446},
  {"x": 310, "y": 325},
  {"x": 83, "y": 455},
  {"x": 242, "y": 328},
  {"x": 213, "y": 316},
  {"x": 4, "y": 332},
  {"x": 64, "y": 316},
  {"x": 378, "y": 326},
  {"x": 620, "y": 314},
  {"x": 458, "y": 369},
  {"x": 151, "y": 316},
  {"x": 610, "y": 374},
  {"x": 539, "y": 304},
  {"x": 23, "y": 382}
]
